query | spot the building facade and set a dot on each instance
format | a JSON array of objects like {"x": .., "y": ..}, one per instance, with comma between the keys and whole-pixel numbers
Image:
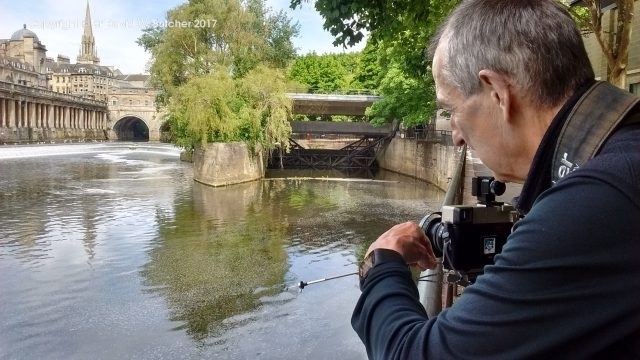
[
  {"x": 25, "y": 67},
  {"x": 22, "y": 59}
]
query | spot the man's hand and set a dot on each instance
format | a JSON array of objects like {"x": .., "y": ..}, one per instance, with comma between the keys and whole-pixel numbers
[{"x": 410, "y": 241}]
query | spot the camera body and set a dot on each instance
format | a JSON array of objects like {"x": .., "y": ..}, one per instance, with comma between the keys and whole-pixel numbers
[{"x": 468, "y": 237}]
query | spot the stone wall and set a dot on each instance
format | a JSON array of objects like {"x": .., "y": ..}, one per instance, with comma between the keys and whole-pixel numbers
[
  {"x": 28, "y": 135},
  {"x": 432, "y": 162},
  {"x": 436, "y": 163},
  {"x": 220, "y": 164}
]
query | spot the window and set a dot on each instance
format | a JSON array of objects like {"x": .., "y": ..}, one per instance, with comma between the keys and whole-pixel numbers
[{"x": 635, "y": 89}]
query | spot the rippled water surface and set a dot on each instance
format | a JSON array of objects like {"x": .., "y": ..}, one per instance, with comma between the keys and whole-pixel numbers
[{"x": 112, "y": 251}]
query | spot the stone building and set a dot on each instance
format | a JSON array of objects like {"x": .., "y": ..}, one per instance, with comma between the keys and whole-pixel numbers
[
  {"x": 132, "y": 91},
  {"x": 86, "y": 78},
  {"x": 22, "y": 59}
]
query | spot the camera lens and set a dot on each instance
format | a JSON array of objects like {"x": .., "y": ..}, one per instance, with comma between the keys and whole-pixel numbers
[{"x": 436, "y": 231}]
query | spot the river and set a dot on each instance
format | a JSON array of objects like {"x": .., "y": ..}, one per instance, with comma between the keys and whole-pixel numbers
[{"x": 112, "y": 251}]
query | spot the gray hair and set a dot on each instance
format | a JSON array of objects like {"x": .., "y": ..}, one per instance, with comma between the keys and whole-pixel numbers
[{"x": 535, "y": 42}]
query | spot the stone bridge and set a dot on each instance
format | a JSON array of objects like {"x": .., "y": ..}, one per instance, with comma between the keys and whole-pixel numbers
[{"x": 133, "y": 116}]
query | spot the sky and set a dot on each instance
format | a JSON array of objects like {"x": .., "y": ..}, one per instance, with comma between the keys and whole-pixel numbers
[{"x": 117, "y": 24}]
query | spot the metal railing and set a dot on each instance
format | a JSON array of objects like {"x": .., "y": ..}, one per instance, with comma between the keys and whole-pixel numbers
[
  {"x": 428, "y": 133},
  {"x": 334, "y": 91}
]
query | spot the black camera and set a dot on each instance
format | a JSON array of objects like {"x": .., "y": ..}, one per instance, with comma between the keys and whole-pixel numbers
[{"x": 468, "y": 237}]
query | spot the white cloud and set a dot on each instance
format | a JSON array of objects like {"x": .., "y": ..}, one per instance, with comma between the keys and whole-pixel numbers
[{"x": 117, "y": 24}]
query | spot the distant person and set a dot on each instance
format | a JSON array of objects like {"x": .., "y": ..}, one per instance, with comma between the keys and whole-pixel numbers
[{"x": 516, "y": 79}]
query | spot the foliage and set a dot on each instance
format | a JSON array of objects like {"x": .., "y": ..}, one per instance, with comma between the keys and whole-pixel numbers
[
  {"x": 320, "y": 73},
  {"x": 347, "y": 21},
  {"x": 406, "y": 82},
  {"x": 405, "y": 97},
  {"x": 207, "y": 75},
  {"x": 393, "y": 59},
  {"x": 369, "y": 73},
  {"x": 218, "y": 108},
  {"x": 327, "y": 73}
]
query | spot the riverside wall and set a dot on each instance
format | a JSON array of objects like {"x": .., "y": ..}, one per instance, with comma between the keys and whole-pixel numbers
[
  {"x": 30, "y": 135},
  {"x": 435, "y": 163}
]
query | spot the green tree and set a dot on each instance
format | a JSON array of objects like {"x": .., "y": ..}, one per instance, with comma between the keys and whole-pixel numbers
[
  {"x": 369, "y": 73},
  {"x": 204, "y": 73},
  {"x": 219, "y": 108},
  {"x": 348, "y": 20},
  {"x": 320, "y": 73},
  {"x": 393, "y": 60}
]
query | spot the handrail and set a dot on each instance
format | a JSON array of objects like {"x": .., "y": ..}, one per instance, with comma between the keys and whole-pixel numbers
[
  {"x": 431, "y": 291},
  {"x": 334, "y": 91}
]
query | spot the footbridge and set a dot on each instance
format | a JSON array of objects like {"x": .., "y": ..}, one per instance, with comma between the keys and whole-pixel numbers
[
  {"x": 358, "y": 154},
  {"x": 331, "y": 104}
]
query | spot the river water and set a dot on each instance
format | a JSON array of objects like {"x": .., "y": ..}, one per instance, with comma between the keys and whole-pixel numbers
[{"x": 112, "y": 251}]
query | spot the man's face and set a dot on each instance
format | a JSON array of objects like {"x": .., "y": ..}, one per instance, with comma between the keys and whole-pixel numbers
[{"x": 475, "y": 120}]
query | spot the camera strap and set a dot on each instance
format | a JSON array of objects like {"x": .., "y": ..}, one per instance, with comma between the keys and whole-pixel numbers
[{"x": 592, "y": 120}]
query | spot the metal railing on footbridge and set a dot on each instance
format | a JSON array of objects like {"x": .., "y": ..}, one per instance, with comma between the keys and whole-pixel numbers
[
  {"x": 334, "y": 91},
  {"x": 428, "y": 134}
]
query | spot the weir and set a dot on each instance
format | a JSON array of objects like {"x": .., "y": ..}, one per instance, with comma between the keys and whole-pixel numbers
[{"x": 361, "y": 153}]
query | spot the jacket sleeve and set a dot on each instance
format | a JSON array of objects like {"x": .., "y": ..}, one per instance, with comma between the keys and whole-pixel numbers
[{"x": 565, "y": 285}]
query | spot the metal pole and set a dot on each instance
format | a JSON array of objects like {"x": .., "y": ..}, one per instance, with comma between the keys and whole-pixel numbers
[{"x": 431, "y": 291}]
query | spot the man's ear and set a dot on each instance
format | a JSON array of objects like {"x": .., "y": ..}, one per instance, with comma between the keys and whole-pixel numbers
[{"x": 500, "y": 91}]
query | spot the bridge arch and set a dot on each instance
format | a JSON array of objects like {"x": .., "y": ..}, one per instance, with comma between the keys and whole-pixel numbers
[{"x": 131, "y": 128}]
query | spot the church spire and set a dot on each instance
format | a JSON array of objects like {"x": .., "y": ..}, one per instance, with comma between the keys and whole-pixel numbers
[{"x": 88, "y": 53}]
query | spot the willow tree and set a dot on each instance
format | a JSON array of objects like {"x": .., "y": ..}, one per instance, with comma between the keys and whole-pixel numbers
[
  {"x": 613, "y": 37},
  {"x": 201, "y": 63}
]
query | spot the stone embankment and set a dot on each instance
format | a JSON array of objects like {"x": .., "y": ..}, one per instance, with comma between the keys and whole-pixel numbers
[
  {"x": 435, "y": 162},
  {"x": 222, "y": 164}
]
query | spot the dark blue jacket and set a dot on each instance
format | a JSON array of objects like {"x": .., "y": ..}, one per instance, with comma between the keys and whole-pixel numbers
[{"x": 566, "y": 285}]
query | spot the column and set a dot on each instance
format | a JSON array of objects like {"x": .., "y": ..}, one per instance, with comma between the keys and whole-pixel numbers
[
  {"x": 19, "y": 113},
  {"x": 28, "y": 114},
  {"x": 56, "y": 116},
  {"x": 50, "y": 116},
  {"x": 12, "y": 113},
  {"x": 3, "y": 113}
]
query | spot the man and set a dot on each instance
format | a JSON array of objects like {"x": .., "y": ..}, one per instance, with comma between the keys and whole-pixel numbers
[{"x": 517, "y": 82}]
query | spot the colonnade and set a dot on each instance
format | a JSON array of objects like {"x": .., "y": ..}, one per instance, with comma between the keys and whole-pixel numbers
[{"x": 24, "y": 113}]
